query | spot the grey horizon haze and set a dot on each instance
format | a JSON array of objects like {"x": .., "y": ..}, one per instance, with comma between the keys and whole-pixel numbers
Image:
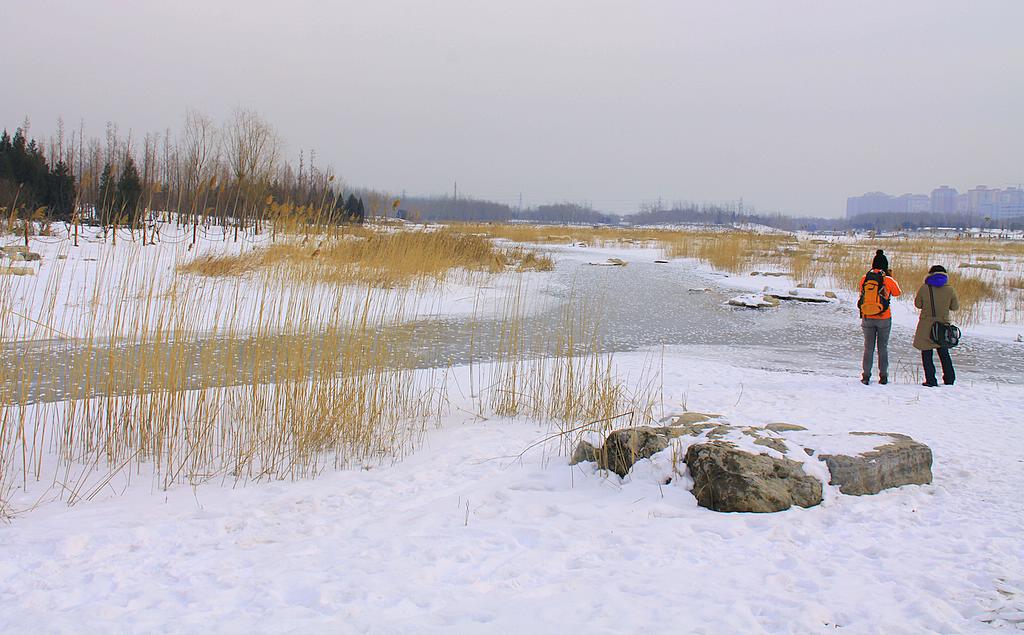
[{"x": 792, "y": 106}]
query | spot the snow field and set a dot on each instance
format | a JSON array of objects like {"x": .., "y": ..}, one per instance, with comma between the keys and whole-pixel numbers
[
  {"x": 466, "y": 535},
  {"x": 463, "y": 536}
]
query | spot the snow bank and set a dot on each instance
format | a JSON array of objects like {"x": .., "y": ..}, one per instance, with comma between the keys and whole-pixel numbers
[{"x": 467, "y": 535}]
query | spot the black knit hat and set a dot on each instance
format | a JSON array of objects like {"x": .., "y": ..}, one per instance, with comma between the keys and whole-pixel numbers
[
  {"x": 880, "y": 261},
  {"x": 937, "y": 269}
]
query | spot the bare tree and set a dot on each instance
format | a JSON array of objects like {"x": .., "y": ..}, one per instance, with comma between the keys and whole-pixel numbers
[
  {"x": 199, "y": 146},
  {"x": 251, "y": 146}
]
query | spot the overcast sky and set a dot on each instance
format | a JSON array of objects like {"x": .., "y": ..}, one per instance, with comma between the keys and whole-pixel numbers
[{"x": 792, "y": 105}]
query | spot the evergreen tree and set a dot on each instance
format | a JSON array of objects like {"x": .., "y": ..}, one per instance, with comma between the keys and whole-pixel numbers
[
  {"x": 106, "y": 195},
  {"x": 24, "y": 174},
  {"x": 129, "y": 191},
  {"x": 351, "y": 207},
  {"x": 61, "y": 197}
]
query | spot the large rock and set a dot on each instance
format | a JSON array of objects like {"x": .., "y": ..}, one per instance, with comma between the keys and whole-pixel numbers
[
  {"x": 902, "y": 461},
  {"x": 585, "y": 451},
  {"x": 727, "y": 479},
  {"x": 623, "y": 448}
]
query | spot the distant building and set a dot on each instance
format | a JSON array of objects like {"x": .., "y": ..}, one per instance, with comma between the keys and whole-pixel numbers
[
  {"x": 871, "y": 203},
  {"x": 1011, "y": 203},
  {"x": 980, "y": 202},
  {"x": 913, "y": 203},
  {"x": 943, "y": 200}
]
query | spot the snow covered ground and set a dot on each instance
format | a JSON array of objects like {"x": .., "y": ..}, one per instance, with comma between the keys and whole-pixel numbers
[
  {"x": 102, "y": 288},
  {"x": 466, "y": 536},
  {"x": 472, "y": 534}
]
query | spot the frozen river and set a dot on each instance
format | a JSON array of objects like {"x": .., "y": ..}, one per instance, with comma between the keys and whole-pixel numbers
[{"x": 637, "y": 307}]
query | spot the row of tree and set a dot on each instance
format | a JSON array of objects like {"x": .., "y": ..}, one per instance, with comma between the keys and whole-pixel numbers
[
  {"x": 30, "y": 182},
  {"x": 206, "y": 173}
]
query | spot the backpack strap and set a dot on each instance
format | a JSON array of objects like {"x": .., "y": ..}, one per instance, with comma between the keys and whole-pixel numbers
[{"x": 931, "y": 296}]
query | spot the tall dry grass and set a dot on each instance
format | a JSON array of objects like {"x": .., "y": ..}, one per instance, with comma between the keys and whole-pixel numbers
[
  {"x": 150, "y": 399},
  {"x": 562, "y": 234},
  {"x": 187, "y": 379},
  {"x": 376, "y": 258},
  {"x": 567, "y": 379}
]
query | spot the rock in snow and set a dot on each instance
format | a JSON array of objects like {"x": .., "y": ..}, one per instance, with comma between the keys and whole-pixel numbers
[
  {"x": 727, "y": 479},
  {"x": 584, "y": 452},
  {"x": 901, "y": 462},
  {"x": 623, "y": 448},
  {"x": 730, "y": 479}
]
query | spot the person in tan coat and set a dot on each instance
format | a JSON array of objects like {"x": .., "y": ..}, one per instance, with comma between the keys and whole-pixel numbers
[{"x": 936, "y": 286}]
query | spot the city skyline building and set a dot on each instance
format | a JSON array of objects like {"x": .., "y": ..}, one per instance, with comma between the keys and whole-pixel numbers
[{"x": 981, "y": 200}]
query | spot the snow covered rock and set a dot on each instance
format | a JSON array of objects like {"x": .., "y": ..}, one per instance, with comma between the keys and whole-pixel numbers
[
  {"x": 689, "y": 417},
  {"x": 727, "y": 479},
  {"x": 900, "y": 461},
  {"x": 623, "y": 448},
  {"x": 800, "y": 294},
  {"x": 754, "y": 301},
  {"x": 20, "y": 252}
]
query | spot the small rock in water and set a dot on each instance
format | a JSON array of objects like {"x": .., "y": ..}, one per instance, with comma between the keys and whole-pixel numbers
[{"x": 754, "y": 301}]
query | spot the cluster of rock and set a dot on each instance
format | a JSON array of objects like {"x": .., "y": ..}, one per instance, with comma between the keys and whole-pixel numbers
[
  {"x": 18, "y": 253},
  {"x": 768, "y": 297},
  {"x": 728, "y": 478}
]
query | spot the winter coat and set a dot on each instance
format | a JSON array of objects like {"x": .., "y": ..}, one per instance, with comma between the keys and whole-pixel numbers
[{"x": 945, "y": 301}]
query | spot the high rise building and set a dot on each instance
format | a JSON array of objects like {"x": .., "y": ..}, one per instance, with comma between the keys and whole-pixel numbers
[
  {"x": 1011, "y": 203},
  {"x": 913, "y": 203},
  {"x": 871, "y": 203},
  {"x": 943, "y": 200},
  {"x": 983, "y": 201}
]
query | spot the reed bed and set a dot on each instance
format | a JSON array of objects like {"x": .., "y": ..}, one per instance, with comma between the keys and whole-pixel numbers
[
  {"x": 280, "y": 373},
  {"x": 376, "y": 258},
  {"x": 147, "y": 398},
  {"x": 601, "y": 236}
]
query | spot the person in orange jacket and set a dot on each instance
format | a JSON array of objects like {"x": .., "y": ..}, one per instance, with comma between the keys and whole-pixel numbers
[{"x": 877, "y": 288}]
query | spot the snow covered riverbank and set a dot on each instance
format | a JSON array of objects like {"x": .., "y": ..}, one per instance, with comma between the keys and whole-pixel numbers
[{"x": 467, "y": 536}]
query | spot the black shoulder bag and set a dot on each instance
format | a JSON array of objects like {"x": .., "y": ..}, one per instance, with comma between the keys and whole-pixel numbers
[{"x": 945, "y": 335}]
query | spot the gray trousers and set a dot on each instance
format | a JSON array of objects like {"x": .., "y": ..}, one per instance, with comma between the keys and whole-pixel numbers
[{"x": 876, "y": 331}]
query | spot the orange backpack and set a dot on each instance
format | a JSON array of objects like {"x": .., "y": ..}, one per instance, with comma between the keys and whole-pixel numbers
[{"x": 874, "y": 297}]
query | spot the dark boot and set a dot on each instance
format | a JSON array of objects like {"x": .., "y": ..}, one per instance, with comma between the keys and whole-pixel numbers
[
  {"x": 865, "y": 379},
  {"x": 883, "y": 379}
]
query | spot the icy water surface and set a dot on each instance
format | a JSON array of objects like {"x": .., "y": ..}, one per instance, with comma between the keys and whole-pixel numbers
[{"x": 642, "y": 306}]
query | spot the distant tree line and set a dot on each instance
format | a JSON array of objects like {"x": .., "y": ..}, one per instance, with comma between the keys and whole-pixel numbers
[
  {"x": 228, "y": 174},
  {"x": 30, "y": 182},
  {"x": 447, "y": 208},
  {"x": 470, "y": 209}
]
